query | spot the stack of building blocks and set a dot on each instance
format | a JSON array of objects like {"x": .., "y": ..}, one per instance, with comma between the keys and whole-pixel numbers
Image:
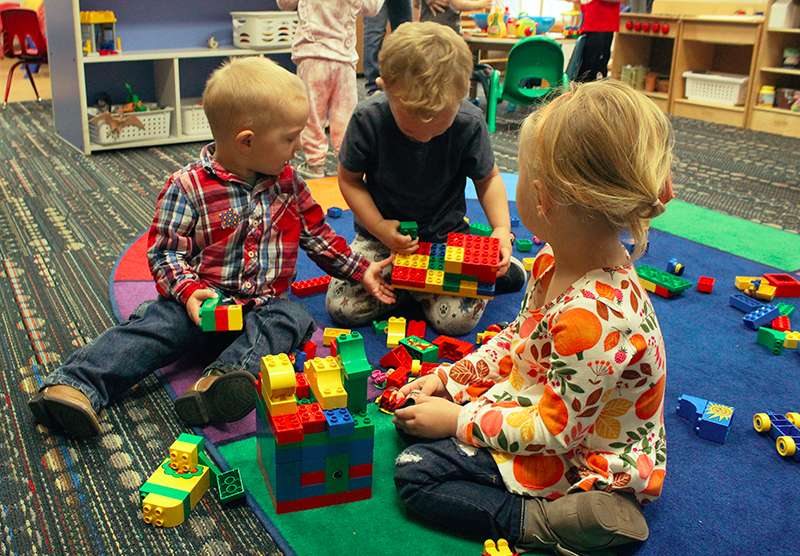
[
  {"x": 661, "y": 283},
  {"x": 312, "y": 286},
  {"x": 705, "y": 284},
  {"x": 330, "y": 334},
  {"x": 784, "y": 430},
  {"x": 220, "y": 317},
  {"x": 464, "y": 266},
  {"x": 395, "y": 331},
  {"x": 674, "y": 267},
  {"x": 711, "y": 420},
  {"x": 328, "y": 457},
  {"x": 177, "y": 485},
  {"x": 421, "y": 349}
]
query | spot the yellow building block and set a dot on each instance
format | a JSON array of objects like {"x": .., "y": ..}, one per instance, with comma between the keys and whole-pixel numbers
[
  {"x": 419, "y": 261},
  {"x": 434, "y": 278},
  {"x": 183, "y": 455},
  {"x": 196, "y": 486},
  {"x": 402, "y": 260},
  {"x": 325, "y": 377},
  {"x": 98, "y": 16},
  {"x": 395, "y": 331},
  {"x": 743, "y": 283},
  {"x": 765, "y": 292},
  {"x": 416, "y": 367},
  {"x": 527, "y": 262},
  {"x": 483, "y": 337},
  {"x": 162, "y": 511},
  {"x": 791, "y": 340},
  {"x": 499, "y": 549},
  {"x": 235, "y": 319},
  {"x": 453, "y": 257},
  {"x": 278, "y": 384},
  {"x": 647, "y": 285},
  {"x": 467, "y": 287},
  {"x": 332, "y": 333}
]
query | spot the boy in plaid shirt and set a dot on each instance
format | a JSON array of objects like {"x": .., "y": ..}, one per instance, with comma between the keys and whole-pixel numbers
[{"x": 228, "y": 224}]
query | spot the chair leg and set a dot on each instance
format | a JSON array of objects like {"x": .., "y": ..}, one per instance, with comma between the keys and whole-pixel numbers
[
  {"x": 492, "y": 101},
  {"x": 8, "y": 82},
  {"x": 33, "y": 83}
]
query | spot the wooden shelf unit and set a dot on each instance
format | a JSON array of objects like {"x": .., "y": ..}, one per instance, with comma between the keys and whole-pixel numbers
[
  {"x": 770, "y": 72},
  {"x": 163, "y": 75}
]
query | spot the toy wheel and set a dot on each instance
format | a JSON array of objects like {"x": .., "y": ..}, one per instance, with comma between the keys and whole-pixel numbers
[
  {"x": 761, "y": 422},
  {"x": 794, "y": 418},
  {"x": 785, "y": 446}
]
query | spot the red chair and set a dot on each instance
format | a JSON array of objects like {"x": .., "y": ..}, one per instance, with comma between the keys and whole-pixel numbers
[{"x": 22, "y": 39}]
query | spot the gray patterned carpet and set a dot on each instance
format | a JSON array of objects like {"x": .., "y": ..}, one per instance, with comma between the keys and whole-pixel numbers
[{"x": 64, "y": 218}]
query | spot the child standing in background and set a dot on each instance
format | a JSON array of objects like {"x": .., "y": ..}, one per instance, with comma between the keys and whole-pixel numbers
[
  {"x": 555, "y": 432},
  {"x": 324, "y": 50},
  {"x": 448, "y": 12},
  {"x": 600, "y": 22}
]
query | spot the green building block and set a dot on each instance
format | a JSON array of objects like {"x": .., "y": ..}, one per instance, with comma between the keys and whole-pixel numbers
[
  {"x": 357, "y": 387},
  {"x": 785, "y": 309},
  {"x": 771, "y": 339},
  {"x": 208, "y": 322},
  {"x": 337, "y": 473},
  {"x": 363, "y": 423},
  {"x": 670, "y": 282},
  {"x": 350, "y": 348},
  {"x": 478, "y": 229},
  {"x": 380, "y": 326},
  {"x": 451, "y": 283},
  {"x": 230, "y": 488},
  {"x": 408, "y": 229},
  {"x": 523, "y": 245},
  {"x": 436, "y": 263},
  {"x": 420, "y": 348}
]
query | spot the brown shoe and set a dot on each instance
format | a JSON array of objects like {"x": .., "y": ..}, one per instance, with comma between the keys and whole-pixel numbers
[
  {"x": 217, "y": 398},
  {"x": 62, "y": 407}
]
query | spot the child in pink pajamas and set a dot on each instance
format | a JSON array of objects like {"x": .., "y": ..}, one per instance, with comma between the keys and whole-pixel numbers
[{"x": 324, "y": 50}]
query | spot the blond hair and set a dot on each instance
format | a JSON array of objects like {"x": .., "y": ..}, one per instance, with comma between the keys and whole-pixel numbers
[
  {"x": 426, "y": 67},
  {"x": 605, "y": 148},
  {"x": 248, "y": 92}
]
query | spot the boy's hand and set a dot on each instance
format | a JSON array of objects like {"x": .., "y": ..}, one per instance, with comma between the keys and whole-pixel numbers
[
  {"x": 428, "y": 385},
  {"x": 386, "y": 232},
  {"x": 505, "y": 249},
  {"x": 437, "y": 6},
  {"x": 195, "y": 301},
  {"x": 375, "y": 284},
  {"x": 429, "y": 417}
]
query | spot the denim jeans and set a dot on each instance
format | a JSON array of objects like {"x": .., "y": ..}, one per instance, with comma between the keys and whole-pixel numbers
[
  {"x": 461, "y": 491},
  {"x": 160, "y": 332},
  {"x": 395, "y": 12}
]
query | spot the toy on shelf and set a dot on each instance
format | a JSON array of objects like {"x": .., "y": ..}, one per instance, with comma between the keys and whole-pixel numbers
[
  {"x": 674, "y": 267},
  {"x": 705, "y": 284},
  {"x": 395, "y": 331},
  {"x": 465, "y": 266},
  {"x": 312, "y": 286},
  {"x": 218, "y": 316},
  {"x": 496, "y": 22},
  {"x": 661, "y": 283},
  {"x": 784, "y": 429},
  {"x": 134, "y": 102},
  {"x": 711, "y": 420},
  {"x": 212, "y": 42},
  {"x": 500, "y": 548},
  {"x": 571, "y": 21},
  {"x": 99, "y": 33},
  {"x": 177, "y": 485}
]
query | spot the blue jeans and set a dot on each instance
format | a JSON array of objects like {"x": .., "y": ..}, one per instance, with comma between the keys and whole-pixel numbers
[
  {"x": 160, "y": 332},
  {"x": 395, "y": 12},
  {"x": 461, "y": 493}
]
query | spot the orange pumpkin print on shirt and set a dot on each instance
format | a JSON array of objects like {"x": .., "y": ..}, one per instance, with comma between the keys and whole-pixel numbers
[
  {"x": 649, "y": 402},
  {"x": 553, "y": 411},
  {"x": 576, "y": 331},
  {"x": 542, "y": 263},
  {"x": 538, "y": 472}
]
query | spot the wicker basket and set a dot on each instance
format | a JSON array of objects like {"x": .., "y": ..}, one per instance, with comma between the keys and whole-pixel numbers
[
  {"x": 156, "y": 124},
  {"x": 193, "y": 118},
  {"x": 720, "y": 88},
  {"x": 264, "y": 30}
]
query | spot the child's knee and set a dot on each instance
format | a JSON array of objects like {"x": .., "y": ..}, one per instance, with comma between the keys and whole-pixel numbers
[
  {"x": 407, "y": 470},
  {"x": 453, "y": 316},
  {"x": 345, "y": 306}
]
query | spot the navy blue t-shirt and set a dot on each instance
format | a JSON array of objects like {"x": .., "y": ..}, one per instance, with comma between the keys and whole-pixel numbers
[{"x": 408, "y": 180}]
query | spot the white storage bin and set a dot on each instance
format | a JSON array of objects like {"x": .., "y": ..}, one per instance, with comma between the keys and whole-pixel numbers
[
  {"x": 264, "y": 30},
  {"x": 156, "y": 124},
  {"x": 721, "y": 88},
  {"x": 193, "y": 118}
]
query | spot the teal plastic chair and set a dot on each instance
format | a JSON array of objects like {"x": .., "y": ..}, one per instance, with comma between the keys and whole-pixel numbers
[{"x": 532, "y": 60}]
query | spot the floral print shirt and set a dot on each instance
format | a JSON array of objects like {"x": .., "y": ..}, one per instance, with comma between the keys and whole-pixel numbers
[{"x": 571, "y": 394}]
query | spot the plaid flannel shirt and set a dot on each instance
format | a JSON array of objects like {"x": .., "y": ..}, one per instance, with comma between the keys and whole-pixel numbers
[{"x": 214, "y": 230}]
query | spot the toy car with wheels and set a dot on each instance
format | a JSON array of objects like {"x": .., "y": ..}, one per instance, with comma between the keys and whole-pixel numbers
[{"x": 784, "y": 429}]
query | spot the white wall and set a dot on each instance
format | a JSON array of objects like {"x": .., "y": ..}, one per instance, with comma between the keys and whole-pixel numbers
[{"x": 539, "y": 7}]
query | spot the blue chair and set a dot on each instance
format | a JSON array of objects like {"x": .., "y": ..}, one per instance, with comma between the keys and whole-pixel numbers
[{"x": 535, "y": 70}]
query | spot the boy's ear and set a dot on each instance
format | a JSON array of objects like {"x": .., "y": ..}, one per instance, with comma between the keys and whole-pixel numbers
[{"x": 244, "y": 139}]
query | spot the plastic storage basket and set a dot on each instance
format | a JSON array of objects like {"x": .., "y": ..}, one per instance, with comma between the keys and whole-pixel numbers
[
  {"x": 264, "y": 30},
  {"x": 193, "y": 118},
  {"x": 156, "y": 124},
  {"x": 721, "y": 88}
]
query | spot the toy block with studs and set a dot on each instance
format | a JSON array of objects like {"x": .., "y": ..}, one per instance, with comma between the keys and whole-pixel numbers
[
  {"x": 743, "y": 303},
  {"x": 398, "y": 377},
  {"x": 216, "y": 316},
  {"x": 710, "y": 420},
  {"x": 765, "y": 292},
  {"x": 674, "y": 267},
  {"x": 419, "y": 348},
  {"x": 395, "y": 331},
  {"x": 771, "y": 339},
  {"x": 230, "y": 488},
  {"x": 478, "y": 229},
  {"x": 408, "y": 229},
  {"x": 452, "y": 348},
  {"x": 379, "y": 327},
  {"x": 312, "y": 286},
  {"x": 330, "y": 334},
  {"x": 524, "y": 245},
  {"x": 781, "y": 323},
  {"x": 785, "y": 309},
  {"x": 705, "y": 284},
  {"x": 278, "y": 384},
  {"x": 312, "y": 418},
  {"x": 325, "y": 377},
  {"x": 744, "y": 283},
  {"x": 762, "y": 316},
  {"x": 416, "y": 328},
  {"x": 184, "y": 452},
  {"x": 791, "y": 340},
  {"x": 500, "y": 548},
  {"x": 785, "y": 285},
  {"x": 334, "y": 212},
  {"x": 340, "y": 422},
  {"x": 661, "y": 283},
  {"x": 398, "y": 357}
]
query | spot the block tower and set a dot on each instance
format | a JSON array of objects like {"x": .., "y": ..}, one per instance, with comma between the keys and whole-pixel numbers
[{"x": 314, "y": 438}]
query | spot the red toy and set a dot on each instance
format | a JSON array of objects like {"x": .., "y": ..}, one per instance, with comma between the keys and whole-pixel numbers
[
  {"x": 782, "y": 324},
  {"x": 287, "y": 428},
  {"x": 313, "y": 286},
  {"x": 398, "y": 357},
  {"x": 398, "y": 378},
  {"x": 786, "y": 285},
  {"x": 311, "y": 418},
  {"x": 705, "y": 284},
  {"x": 427, "y": 368},
  {"x": 452, "y": 349},
  {"x": 392, "y": 400},
  {"x": 310, "y": 349},
  {"x": 416, "y": 328}
]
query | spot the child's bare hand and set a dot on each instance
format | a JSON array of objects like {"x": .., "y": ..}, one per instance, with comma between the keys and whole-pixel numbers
[
  {"x": 428, "y": 385},
  {"x": 195, "y": 301},
  {"x": 388, "y": 235},
  {"x": 437, "y": 6},
  {"x": 486, "y": 5},
  {"x": 375, "y": 284},
  {"x": 429, "y": 417},
  {"x": 505, "y": 250}
]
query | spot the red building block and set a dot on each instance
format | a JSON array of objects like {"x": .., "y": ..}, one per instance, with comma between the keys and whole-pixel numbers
[
  {"x": 334, "y": 348},
  {"x": 416, "y": 328},
  {"x": 782, "y": 324},
  {"x": 363, "y": 470},
  {"x": 398, "y": 378},
  {"x": 786, "y": 285},
  {"x": 284, "y": 506},
  {"x": 451, "y": 348},
  {"x": 456, "y": 240},
  {"x": 303, "y": 389},
  {"x": 305, "y": 288},
  {"x": 311, "y": 350},
  {"x": 427, "y": 368},
  {"x": 405, "y": 276},
  {"x": 481, "y": 258},
  {"x": 286, "y": 428},
  {"x": 311, "y": 417},
  {"x": 312, "y": 478},
  {"x": 423, "y": 248},
  {"x": 398, "y": 357},
  {"x": 705, "y": 284}
]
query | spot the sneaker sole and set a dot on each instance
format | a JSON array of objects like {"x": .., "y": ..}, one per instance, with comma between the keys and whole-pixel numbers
[
  {"x": 62, "y": 415},
  {"x": 230, "y": 398}
]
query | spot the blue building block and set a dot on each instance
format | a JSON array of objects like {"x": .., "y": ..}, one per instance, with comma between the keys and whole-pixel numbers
[
  {"x": 786, "y": 427},
  {"x": 715, "y": 423},
  {"x": 690, "y": 407},
  {"x": 299, "y": 361},
  {"x": 340, "y": 422},
  {"x": 438, "y": 250},
  {"x": 674, "y": 267},
  {"x": 514, "y": 222},
  {"x": 360, "y": 482},
  {"x": 744, "y": 303},
  {"x": 334, "y": 212},
  {"x": 485, "y": 289},
  {"x": 763, "y": 316}
]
